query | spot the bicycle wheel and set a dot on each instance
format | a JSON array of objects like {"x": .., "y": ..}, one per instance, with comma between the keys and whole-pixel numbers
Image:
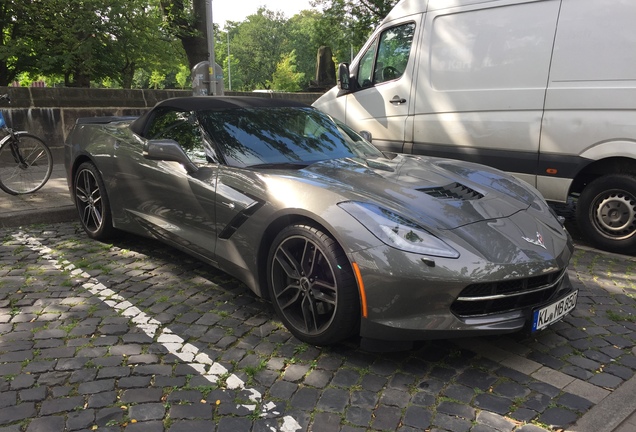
[{"x": 25, "y": 164}]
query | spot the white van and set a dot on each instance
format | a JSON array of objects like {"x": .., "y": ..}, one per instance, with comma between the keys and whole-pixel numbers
[{"x": 544, "y": 89}]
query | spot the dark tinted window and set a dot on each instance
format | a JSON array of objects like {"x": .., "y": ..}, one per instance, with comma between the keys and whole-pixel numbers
[
  {"x": 257, "y": 136},
  {"x": 182, "y": 127}
]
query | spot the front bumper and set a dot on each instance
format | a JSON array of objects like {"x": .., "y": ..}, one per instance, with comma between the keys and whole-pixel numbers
[{"x": 411, "y": 299}]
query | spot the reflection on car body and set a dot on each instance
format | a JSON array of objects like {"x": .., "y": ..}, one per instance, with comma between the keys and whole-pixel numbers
[{"x": 343, "y": 239}]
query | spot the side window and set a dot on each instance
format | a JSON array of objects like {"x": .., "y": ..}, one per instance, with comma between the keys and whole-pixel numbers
[
  {"x": 365, "y": 70},
  {"x": 182, "y": 127},
  {"x": 393, "y": 53}
]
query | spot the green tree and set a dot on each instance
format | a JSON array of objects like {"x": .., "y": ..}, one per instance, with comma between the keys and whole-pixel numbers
[
  {"x": 257, "y": 44},
  {"x": 137, "y": 40},
  {"x": 346, "y": 24},
  {"x": 157, "y": 80},
  {"x": 16, "y": 42},
  {"x": 95, "y": 40},
  {"x": 285, "y": 78},
  {"x": 182, "y": 76},
  {"x": 72, "y": 37},
  {"x": 305, "y": 40},
  {"x": 185, "y": 19}
]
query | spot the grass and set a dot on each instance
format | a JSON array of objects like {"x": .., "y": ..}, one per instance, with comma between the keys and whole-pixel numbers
[{"x": 618, "y": 317}]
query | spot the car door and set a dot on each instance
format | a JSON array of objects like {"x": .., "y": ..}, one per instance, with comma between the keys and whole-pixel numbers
[
  {"x": 384, "y": 75},
  {"x": 162, "y": 197}
]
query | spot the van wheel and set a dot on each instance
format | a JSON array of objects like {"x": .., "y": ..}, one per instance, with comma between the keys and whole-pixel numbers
[{"x": 606, "y": 213}]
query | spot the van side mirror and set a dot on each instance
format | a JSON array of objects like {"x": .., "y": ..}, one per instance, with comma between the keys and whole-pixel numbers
[
  {"x": 366, "y": 135},
  {"x": 344, "y": 76},
  {"x": 168, "y": 150}
]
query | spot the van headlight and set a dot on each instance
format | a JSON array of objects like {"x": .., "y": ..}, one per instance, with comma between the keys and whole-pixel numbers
[{"x": 397, "y": 231}]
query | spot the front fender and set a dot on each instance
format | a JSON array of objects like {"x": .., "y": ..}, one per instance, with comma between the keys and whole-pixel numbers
[{"x": 607, "y": 149}]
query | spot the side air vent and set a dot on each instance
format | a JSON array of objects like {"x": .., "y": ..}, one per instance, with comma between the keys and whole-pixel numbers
[{"x": 453, "y": 191}]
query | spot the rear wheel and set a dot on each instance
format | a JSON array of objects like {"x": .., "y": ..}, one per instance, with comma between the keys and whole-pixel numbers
[
  {"x": 25, "y": 164},
  {"x": 606, "y": 213},
  {"x": 92, "y": 202},
  {"x": 311, "y": 285}
]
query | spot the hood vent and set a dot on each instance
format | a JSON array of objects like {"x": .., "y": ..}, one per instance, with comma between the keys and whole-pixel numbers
[{"x": 453, "y": 191}]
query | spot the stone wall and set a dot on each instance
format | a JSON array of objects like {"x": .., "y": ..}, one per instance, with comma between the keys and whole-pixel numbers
[{"x": 51, "y": 112}]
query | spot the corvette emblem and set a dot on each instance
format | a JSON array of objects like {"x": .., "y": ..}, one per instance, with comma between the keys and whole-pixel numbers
[{"x": 538, "y": 241}]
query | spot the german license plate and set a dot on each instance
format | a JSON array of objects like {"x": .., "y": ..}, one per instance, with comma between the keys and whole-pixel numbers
[{"x": 545, "y": 316}]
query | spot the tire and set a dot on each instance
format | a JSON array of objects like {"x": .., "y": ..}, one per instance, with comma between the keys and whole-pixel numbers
[
  {"x": 29, "y": 169},
  {"x": 606, "y": 213},
  {"x": 91, "y": 200},
  {"x": 312, "y": 287}
]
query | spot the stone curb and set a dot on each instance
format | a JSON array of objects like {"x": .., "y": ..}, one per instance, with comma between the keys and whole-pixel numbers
[
  {"x": 40, "y": 216},
  {"x": 611, "y": 412}
]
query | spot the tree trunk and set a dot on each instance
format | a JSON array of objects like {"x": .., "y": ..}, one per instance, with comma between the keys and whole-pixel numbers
[
  {"x": 196, "y": 45},
  {"x": 5, "y": 76},
  {"x": 192, "y": 35},
  {"x": 127, "y": 75},
  {"x": 80, "y": 79}
]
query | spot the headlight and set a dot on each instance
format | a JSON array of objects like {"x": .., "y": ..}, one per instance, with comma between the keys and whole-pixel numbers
[{"x": 397, "y": 231}]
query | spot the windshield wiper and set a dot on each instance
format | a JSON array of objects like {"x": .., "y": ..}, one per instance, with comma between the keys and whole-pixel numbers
[{"x": 277, "y": 165}]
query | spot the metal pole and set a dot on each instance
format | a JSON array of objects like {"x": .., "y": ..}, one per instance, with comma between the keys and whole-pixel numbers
[
  {"x": 229, "y": 74},
  {"x": 210, "y": 37}
]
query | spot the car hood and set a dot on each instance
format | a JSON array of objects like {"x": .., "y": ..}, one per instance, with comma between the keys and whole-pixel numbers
[{"x": 440, "y": 193}]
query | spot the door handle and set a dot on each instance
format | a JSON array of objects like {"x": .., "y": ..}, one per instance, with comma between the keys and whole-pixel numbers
[{"x": 397, "y": 100}]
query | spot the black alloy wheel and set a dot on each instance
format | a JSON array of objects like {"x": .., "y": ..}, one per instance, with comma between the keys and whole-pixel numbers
[
  {"x": 312, "y": 287},
  {"x": 92, "y": 202}
]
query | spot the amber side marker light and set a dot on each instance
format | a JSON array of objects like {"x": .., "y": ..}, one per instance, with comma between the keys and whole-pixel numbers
[
  {"x": 363, "y": 294},
  {"x": 551, "y": 170}
]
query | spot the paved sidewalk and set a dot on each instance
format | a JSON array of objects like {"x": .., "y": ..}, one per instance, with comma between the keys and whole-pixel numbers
[
  {"x": 614, "y": 413},
  {"x": 50, "y": 204}
]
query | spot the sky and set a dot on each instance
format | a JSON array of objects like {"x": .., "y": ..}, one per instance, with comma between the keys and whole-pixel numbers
[{"x": 237, "y": 10}]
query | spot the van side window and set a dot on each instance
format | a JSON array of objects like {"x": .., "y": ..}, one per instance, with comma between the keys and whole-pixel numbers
[
  {"x": 365, "y": 70},
  {"x": 392, "y": 56}
]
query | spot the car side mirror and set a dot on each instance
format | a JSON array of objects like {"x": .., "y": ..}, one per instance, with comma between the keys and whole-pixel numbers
[
  {"x": 344, "y": 77},
  {"x": 366, "y": 135},
  {"x": 168, "y": 150}
]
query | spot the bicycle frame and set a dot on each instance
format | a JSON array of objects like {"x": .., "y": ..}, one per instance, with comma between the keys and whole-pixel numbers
[{"x": 10, "y": 139}]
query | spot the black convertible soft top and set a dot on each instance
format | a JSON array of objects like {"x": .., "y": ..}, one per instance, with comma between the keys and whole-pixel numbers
[{"x": 212, "y": 103}]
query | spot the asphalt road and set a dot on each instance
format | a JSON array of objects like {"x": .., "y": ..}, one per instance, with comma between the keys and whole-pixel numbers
[{"x": 135, "y": 336}]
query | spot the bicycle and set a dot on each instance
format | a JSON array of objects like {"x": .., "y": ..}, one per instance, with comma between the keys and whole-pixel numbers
[{"x": 26, "y": 161}]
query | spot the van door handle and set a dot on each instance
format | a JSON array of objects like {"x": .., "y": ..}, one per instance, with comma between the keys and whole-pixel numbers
[{"x": 397, "y": 100}]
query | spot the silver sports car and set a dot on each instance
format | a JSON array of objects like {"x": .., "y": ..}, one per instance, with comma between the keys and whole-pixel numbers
[{"x": 343, "y": 239}]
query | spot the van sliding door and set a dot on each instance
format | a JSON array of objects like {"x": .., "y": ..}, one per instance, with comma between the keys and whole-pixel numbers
[{"x": 481, "y": 91}]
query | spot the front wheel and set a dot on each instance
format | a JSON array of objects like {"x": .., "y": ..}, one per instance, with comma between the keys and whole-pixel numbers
[
  {"x": 26, "y": 164},
  {"x": 311, "y": 285},
  {"x": 92, "y": 202},
  {"x": 606, "y": 213}
]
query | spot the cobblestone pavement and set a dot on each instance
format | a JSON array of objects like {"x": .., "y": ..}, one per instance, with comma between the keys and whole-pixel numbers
[{"x": 135, "y": 336}]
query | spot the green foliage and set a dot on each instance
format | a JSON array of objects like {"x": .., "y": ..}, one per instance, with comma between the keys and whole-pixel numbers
[
  {"x": 84, "y": 41},
  {"x": 15, "y": 39},
  {"x": 304, "y": 39},
  {"x": 157, "y": 80},
  {"x": 134, "y": 43},
  {"x": 182, "y": 76},
  {"x": 285, "y": 78},
  {"x": 257, "y": 44},
  {"x": 354, "y": 21}
]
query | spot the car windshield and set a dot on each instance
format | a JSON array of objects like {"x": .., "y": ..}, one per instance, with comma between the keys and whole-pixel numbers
[{"x": 282, "y": 136}]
